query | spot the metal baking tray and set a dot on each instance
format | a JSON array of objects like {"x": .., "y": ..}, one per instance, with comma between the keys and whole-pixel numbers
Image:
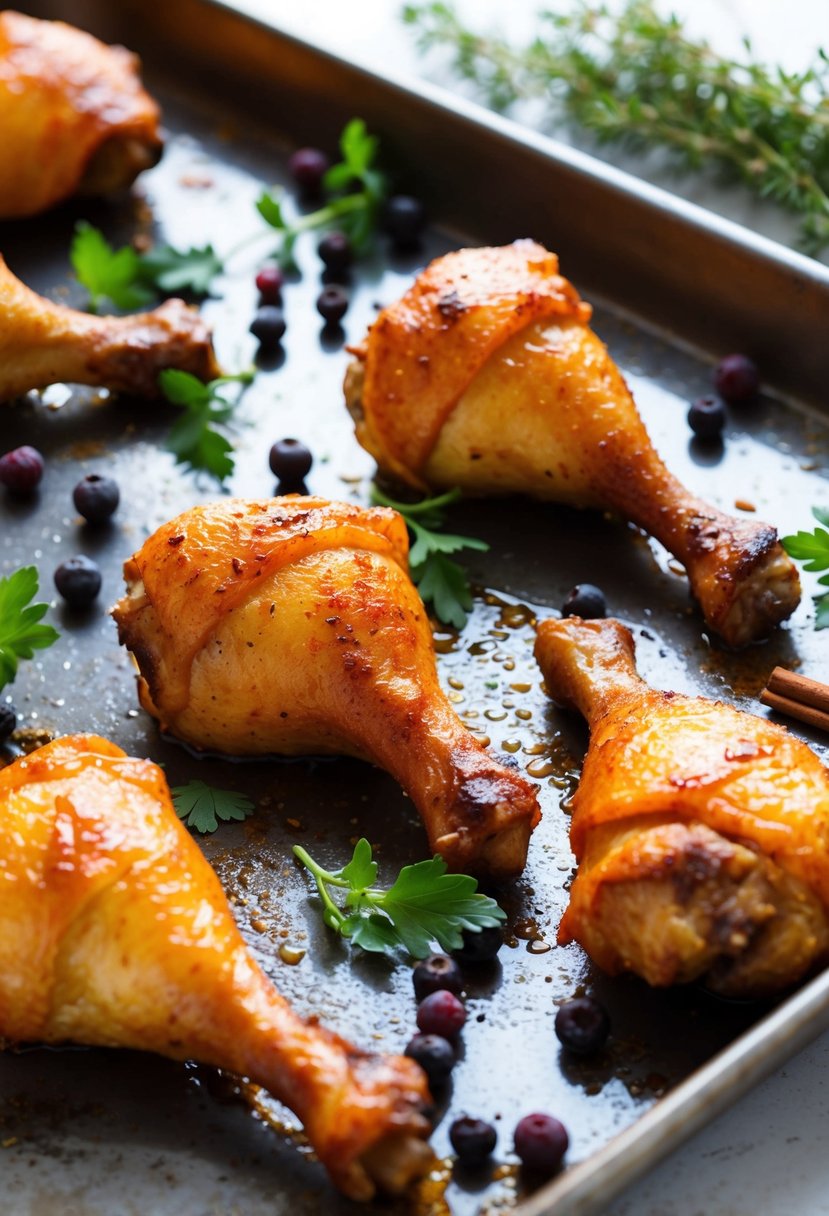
[{"x": 674, "y": 288}]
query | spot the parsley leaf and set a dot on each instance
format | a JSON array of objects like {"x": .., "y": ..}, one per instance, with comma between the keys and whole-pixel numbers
[
  {"x": 440, "y": 581},
  {"x": 106, "y": 272},
  {"x": 20, "y": 633},
  {"x": 193, "y": 437},
  {"x": 170, "y": 270},
  {"x": 355, "y": 188},
  {"x": 812, "y": 549},
  {"x": 423, "y": 905},
  {"x": 201, "y": 806}
]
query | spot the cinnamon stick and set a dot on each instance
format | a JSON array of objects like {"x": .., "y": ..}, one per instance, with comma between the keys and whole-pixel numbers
[{"x": 798, "y": 696}]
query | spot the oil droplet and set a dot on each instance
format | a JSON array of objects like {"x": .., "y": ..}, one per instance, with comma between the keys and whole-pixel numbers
[
  {"x": 540, "y": 768},
  {"x": 534, "y": 749},
  {"x": 291, "y": 954},
  {"x": 495, "y": 715},
  {"x": 521, "y": 687},
  {"x": 509, "y": 665},
  {"x": 456, "y": 697},
  {"x": 516, "y": 615},
  {"x": 524, "y": 714},
  {"x": 511, "y": 745},
  {"x": 454, "y": 682},
  {"x": 538, "y": 946},
  {"x": 483, "y": 739}
]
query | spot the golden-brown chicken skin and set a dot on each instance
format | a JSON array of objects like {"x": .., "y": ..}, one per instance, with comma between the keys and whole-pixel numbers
[
  {"x": 44, "y": 343},
  {"x": 701, "y": 832},
  {"x": 114, "y": 931},
  {"x": 291, "y": 626},
  {"x": 74, "y": 116},
  {"x": 486, "y": 375}
]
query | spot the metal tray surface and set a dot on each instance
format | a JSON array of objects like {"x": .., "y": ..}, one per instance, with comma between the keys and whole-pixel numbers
[{"x": 117, "y": 1132}]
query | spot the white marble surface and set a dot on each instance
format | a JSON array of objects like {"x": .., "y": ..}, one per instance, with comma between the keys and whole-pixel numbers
[{"x": 765, "y": 1157}]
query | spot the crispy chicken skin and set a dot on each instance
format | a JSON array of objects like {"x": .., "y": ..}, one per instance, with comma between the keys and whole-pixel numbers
[
  {"x": 291, "y": 626},
  {"x": 73, "y": 115},
  {"x": 114, "y": 931},
  {"x": 43, "y": 343},
  {"x": 701, "y": 832},
  {"x": 486, "y": 375}
]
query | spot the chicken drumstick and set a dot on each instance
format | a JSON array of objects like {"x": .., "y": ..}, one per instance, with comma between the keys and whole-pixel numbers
[
  {"x": 73, "y": 115},
  {"x": 114, "y": 931},
  {"x": 701, "y": 832},
  {"x": 486, "y": 375},
  {"x": 42, "y": 343},
  {"x": 290, "y": 625}
]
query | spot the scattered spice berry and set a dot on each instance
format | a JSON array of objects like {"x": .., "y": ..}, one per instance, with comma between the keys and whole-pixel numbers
[
  {"x": 290, "y": 462},
  {"x": 308, "y": 166},
  {"x": 78, "y": 580},
  {"x": 479, "y": 947},
  {"x": 96, "y": 498},
  {"x": 336, "y": 252},
  {"x": 436, "y": 973},
  {"x": 441, "y": 1013},
  {"x": 737, "y": 380},
  {"x": 582, "y": 1025},
  {"x": 541, "y": 1142},
  {"x": 585, "y": 601},
  {"x": 435, "y": 1055},
  {"x": 8, "y": 721},
  {"x": 269, "y": 283},
  {"x": 21, "y": 470},
  {"x": 332, "y": 304},
  {"x": 706, "y": 417},
  {"x": 404, "y": 219},
  {"x": 472, "y": 1139},
  {"x": 268, "y": 326}
]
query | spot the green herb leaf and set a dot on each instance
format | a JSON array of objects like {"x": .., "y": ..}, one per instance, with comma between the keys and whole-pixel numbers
[
  {"x": 440, "y": 581},
  {"x": 171, "y": 270},
  {"x": 20, "y": 633},
  {"x": 812, "y": 549},
  {"x": 193, "y": 438},
  {"x": 822, "y": 611},
  {"x": 106, "y": 272},
  {"x": 270, "y": 208},
  {"x": 423, "y": 905},
  {"x": 201, "y": 806}
]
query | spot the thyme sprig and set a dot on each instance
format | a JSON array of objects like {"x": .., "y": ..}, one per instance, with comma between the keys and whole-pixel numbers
[{"x": 635, "y": 77}]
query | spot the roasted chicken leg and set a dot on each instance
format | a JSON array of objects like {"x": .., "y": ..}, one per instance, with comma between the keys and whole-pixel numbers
[
  {"x": 74, "y": 117},
  {"x": 701, "y": 832},
  {"x": 43, "y": 343},
  {"x": 486, "y": 375},
  {"x": 291, "y": 625},
  {"x": 114, "y": 931}
]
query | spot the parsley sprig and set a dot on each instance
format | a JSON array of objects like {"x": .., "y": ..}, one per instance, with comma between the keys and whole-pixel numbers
[
  {"x": 422, "y": 906},
  {"x": 201, "y": 806},
  {"x": 356, "y": 189},
  {"x": 134, "y": 280},
  {"x": 21, "y": 634},
  {"x": 632, "y": 75},
  {"x": 194, "y": 438},
  {"x": 441, "y": 582},
  {"x": 812, "y": 548}
]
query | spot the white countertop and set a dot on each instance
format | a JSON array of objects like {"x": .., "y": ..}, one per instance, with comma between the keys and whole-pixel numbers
[{"x": 765, "y": 1156}]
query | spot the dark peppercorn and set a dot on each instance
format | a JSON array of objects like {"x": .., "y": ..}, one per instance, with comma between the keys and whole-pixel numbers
[
  {"x": 290, "y": 462},
  {"x": 21, "y": 470},
  {"x": 437, "y": 973},
  {"x": 268, "y": 326},
  {"x": 336, "y": 252},
  {"x": 96, "y": 498},
  {"x": 78, "y": 580},
  {"x": 541, "y": 1142},
  {"x": 308, "y": 166},
  {"x": 332, "y": 304},
  {"x": 269, "y": 282},
  {"x": 706, "y": 417},
  {"x": 404, "y": 219},
  {"x": 435, "y": 1055},
  {"x": 582, "y": 1025},
  {"x": 479, "y": 947},
  {"x": 8, "y": 721},
  {"x": 441, "y": 1013},
  {"x": 585, "y": 601},
  {"x": 472, "y": 1139},
  {"x": 736, "y": 379}
]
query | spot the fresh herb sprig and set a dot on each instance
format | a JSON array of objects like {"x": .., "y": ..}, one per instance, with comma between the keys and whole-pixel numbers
[
  {"x": 812, "y": 548},
  {"x": 422, "y": 906},
  {"x": 634, "y": 76},
  {"x": 355, "y": 187},
  {"x": 133, "y": 280},
  {"x": 21, "y": 633},
  {"x": 202, "y": 806},
  {"x": 441, "y": 582},
  {"x": 194, "y": 438}
]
